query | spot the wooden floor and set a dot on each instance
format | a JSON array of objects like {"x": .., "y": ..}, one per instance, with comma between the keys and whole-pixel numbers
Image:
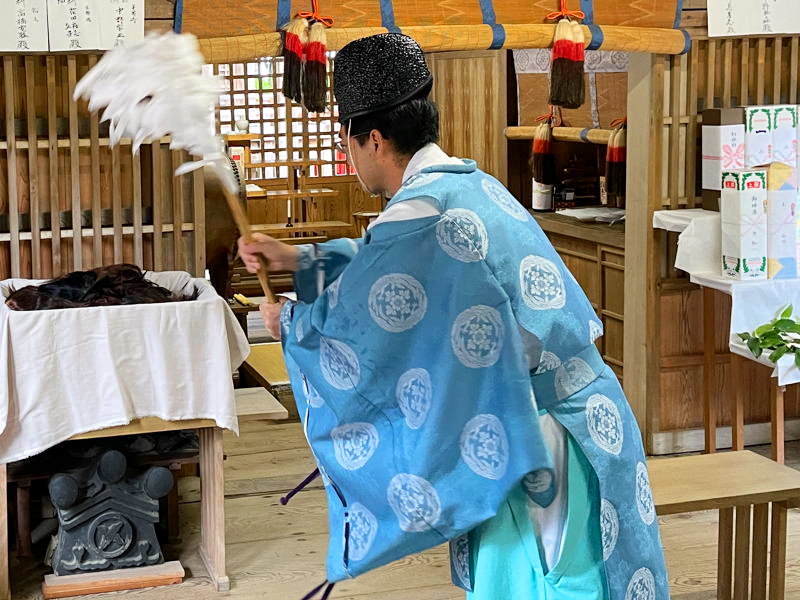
[{"x": 278, "y": 553}]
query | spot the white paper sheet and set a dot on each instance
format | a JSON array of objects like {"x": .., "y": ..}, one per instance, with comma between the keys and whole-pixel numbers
[
  {"x": 752, "y": 17},
  {"x": 70, "y": 371},
  {"x": 74, "y": 25},
  {"x": 122, "y": 22},
  {"x": 23, "y": 26}
]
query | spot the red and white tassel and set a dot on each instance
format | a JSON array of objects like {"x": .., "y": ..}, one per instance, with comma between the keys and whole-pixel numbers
[
  {"x": 295, "y": 37},
  {"x": 567, "y": 87},
  {"x": 315, "y": 75},
  {"x": 615, "y": 167}
]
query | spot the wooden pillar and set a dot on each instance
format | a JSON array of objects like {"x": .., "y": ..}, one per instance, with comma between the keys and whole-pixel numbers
[{"x": 641, "y": 338}]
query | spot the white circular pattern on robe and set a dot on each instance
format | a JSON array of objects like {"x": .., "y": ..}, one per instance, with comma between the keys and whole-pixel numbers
[
  {"x": 642, "y": 586},
  {"x": 414, "y": 393},
  {"x": 644, "y": 495},
  {"x": 503, "y": 198},
  {"x": 462, "y": 235},
  {"x": 459, "y": 557},
  {"x": 595, "y": 331},
  {"x": 572, "y": 376},
  {"x": 301, "y": 327},
  {"x": 539, "y": 481},
  {"x": 484, "y": 446},
  {"x": 312, "y": 396},
  {"x": 354, "y": 444},
  {"x": 363, "y": 530},
  {"x": 286, "y": 320},
  {"x": 541, "y": 284},
  {"x": 421, "y": 179},
  {"x": 414, "y": 501},
  {"x": 609, "y": 527},
  {"x": 339, "y": 364},
  {"x": 333, "y": 293},
  {"x": 477, "y": 336},
  {"x": 397, "y": 302},
  {"x": 604, "y": 423},
  {"x": 548, "y": 362}
]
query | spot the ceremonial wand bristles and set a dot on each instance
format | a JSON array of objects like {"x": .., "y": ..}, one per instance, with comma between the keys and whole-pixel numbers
[{"x": 156, "y": 88}]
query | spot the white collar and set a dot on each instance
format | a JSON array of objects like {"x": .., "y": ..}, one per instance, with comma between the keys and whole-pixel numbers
[{"x": 428, "y": 156}]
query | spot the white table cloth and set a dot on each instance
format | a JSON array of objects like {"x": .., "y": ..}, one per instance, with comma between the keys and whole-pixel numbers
[
  {"x": 753, "y": 303},
  {"x": 70, "y": 371}
]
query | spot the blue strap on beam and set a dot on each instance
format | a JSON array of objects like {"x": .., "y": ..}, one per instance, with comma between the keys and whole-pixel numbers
[
  {"x": 687, "y": 45},
  {"x": 489, "y": 18},
  {"x": 585, "y": 135},
  {"x": 597, "y": 37},
  {"x": 387, "y": 16},
  {"x": 588, "y": 12},
  {"x": 284, "y": 14},
  {"x": 177, "y": 17},
  {"x": 678, "y": 15}
]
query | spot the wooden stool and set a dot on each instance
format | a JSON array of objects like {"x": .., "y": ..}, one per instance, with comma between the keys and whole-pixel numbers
[
  {"x": 362, "y": 220},
  {"x": 746, "y": 488},
  {"x": 266, "y": 367}
]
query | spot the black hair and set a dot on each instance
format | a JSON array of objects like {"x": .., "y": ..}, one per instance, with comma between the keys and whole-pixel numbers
[{"x": 409, "y": 126}]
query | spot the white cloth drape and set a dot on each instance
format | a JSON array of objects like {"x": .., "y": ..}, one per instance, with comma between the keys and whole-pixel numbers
[{"x": 76, "y": 370}]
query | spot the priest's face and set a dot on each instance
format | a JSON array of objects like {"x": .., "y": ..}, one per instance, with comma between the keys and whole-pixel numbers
[{"x": 369, "y": 154}]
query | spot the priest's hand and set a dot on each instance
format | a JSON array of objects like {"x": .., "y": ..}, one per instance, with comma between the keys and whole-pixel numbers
[
  {"x": 280, "y": 256},
  {"x": 271, "y": 313}
]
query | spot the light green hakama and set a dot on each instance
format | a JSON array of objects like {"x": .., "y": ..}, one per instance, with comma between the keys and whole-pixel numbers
[{"x": 508, "y": 555}]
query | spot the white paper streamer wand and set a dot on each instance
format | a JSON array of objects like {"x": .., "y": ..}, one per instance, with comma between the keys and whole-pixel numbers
[{"x": 157, "y": 88}]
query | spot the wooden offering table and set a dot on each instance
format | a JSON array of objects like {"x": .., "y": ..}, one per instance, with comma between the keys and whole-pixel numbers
[{"x": 251, "y": 404}]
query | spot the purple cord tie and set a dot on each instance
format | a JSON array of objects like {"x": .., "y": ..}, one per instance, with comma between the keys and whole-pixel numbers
[
  {"x": 316, "y": 590},
  {"x": 285, "y": 499}
]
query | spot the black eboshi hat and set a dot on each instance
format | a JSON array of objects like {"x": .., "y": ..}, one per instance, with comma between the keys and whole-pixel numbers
[{"x": 378, "y": 73}]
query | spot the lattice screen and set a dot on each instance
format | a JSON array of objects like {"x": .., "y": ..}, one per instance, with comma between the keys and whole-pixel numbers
[{"x": 252, "y": 92}]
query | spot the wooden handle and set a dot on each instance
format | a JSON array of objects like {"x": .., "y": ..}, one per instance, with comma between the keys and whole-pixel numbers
[{"x": 243, "y": 224}]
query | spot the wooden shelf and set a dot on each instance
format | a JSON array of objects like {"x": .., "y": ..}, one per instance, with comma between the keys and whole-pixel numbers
[
  {"x": 89, "y": 232},
  {"x": 562, "y": 134},
  {"x": 242, "y": 137},
  {"x": 282, "y": 228},
  {"x": 290, "y": 194},
  {"x": 44, "y": 144},
  {"x": 600, "y": 233}
]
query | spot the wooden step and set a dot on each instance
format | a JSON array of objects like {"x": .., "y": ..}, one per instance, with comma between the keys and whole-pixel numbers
[
  {"x": 65, "y": 586},
  {"x": 266, "y": 367},
  {"x": 257, "y": 404},
  {"x": 276, "y": 229},
  {"x": 291, "y": 194}
]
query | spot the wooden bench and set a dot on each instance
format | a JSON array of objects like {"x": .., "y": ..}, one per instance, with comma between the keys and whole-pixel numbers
[
  {"x": 746, "y": 488},
  {"x": 266, "y": 367}
]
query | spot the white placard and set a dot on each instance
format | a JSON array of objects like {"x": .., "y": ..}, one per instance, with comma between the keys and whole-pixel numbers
[
  {"x": 122, "y": 23},
  {"x": 752, "y": 17},
  {"x": 23, "y": 26},
  {"x": 74, "y": 25}
]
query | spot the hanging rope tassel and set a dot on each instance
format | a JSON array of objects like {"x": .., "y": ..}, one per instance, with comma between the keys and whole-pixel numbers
[
  {"x": 295, "y": 36},
  {"x": 315, "y": 76},
  {"x": 567, "y": 88},
  {"x": 615, "y": 165}
]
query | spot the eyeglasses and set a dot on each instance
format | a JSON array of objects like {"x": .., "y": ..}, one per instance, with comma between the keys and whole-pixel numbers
[{"x": 342, "y": 146}]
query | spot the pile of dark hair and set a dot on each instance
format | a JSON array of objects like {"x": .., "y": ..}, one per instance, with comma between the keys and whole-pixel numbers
[{"x": 104, "y": 286}]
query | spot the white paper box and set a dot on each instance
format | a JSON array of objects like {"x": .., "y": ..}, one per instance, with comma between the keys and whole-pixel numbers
[
  {"x": 744, "y": 250},
  {"x": 758, "y": 135},
  {"x": 784, "y": 134},
  {"x": 723, "y": 149},
  {"x": 782, "y": 234},
  {"x": 744, "y": 196}
]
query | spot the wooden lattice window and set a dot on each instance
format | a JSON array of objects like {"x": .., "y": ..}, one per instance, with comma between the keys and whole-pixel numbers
[{"x": 252, "y": 91}]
